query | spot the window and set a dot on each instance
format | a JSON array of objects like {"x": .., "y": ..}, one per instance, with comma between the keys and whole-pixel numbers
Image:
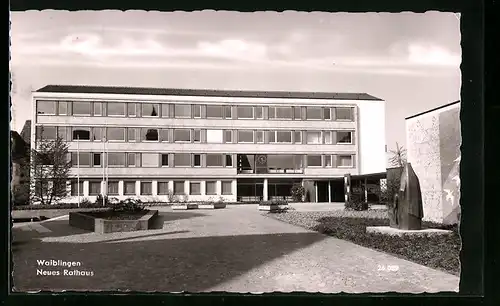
[
  {"x": 226, "y": 187},
  {"x": 116, "y": 134},
  {"x": 63, "y": 108},
  {"x": 83, "y": 161},
  {"x": 271, "y": 135},
  {"x": 194, "y": 188},
  {"x": 344, "y": 137},
  {"x": 132, "y": 134},
  {"x": 314, "y": 113},
  {"x": 112, "y": 188},
  {"x": 259, "y": 136},
  {"x": 46, "y": 107},
  {"x": 97, "y": 134},
  {"x": 297, "y": 113},
  {"x": 81, "y": 108},
  {"x": 245, "y": 136},
  {"x": 314, "y": 160},
  {"x": 196, "y": 111},
  {"x": 197, "y": 160},
  {"x": 116, "y": 159},
  {"x": 211, "y": 188},
  {"x": 327, "y": 160},
  {"x": 81, "y": 133},
  {"x": 131, "y": 159},
  {"x": 165, "y": 110},
  {"x": 179, "y": 188},
  {"x": 281, "y": 163},
  {"x": 228, "y": 112},
  {"x": 214, "y": 136},
  {"x": 344, "y": 161},
  {"x": 150, "y": 134},
  {"x": 259, "y": 112},
  {"x": 214, "y": 160},
  {"x": 131, "y": 110},
  {"x": 280, "y": 113},
  {"x": 196, "y": 136},
  {"x": 62, "y": 132},
  {"x": 149, "y": 110},
  {"x": 284, "y": 136},
  {"x": 129, "y": 188},
  {"x": 164, "y": 160},
  {"x": 229, "y": 160},
  {"x": 98, "y": 109},
  {"x": 182, "y": 135},
  {"x": 149, "y": 160},
  {"x": 94, "y": 188},
  {"x": 344, "y": 113},
  {"x": 214, "y": 111},
  {"x": 244, "y": 112},
  {"x": 297, "y": 136},
  {"x": 326, "y": 113},
  {"x": 313, "y": 137},
  {"x": 327, "y": 137},
  {"x": 182, "y": 111},
  {"x": 96, "y": 159},
  {"x": 228, "y": 136},
  {"x": 116, "y": 109},
  {"x": 164, "y": 135},
  {"x": 162, "y": 188},
  {"x": 182, "y": 160},
  {"x": 46, "y": 132},
  {"x": 146, "y": 188},
  {"x": 74, "y": 188}
]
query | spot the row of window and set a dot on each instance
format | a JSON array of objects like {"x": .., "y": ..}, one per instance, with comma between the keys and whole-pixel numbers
[
  {"x": 245, "y": 162},
  {"x": 130, "y": 109},
  {"x": 122, "y": 134},
  {"x": 146, "y": 188}
]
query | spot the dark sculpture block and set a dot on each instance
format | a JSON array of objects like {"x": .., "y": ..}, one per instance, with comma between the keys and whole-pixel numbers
[{"x": 407, "y": 210}]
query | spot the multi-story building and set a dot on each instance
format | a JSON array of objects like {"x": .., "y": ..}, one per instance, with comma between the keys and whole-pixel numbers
[{"x": 219, "y": 144}]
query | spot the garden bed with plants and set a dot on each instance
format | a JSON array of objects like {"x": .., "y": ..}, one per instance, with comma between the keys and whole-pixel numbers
[
  {"x": 273, "y": 206},
  {"x": 122, "y": 216},
  {"x": 439, "y": 252}
]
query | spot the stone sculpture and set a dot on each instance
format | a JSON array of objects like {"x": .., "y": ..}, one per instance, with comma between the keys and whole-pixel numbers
[{"x": 407, "y": 211}]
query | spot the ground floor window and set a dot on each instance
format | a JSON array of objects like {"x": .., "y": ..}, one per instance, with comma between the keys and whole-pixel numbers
[
  {"x": 129, "y": 188},
  {"x": 226, "y": 187},
  {"x": 162, "y": 188},
  {"x": 146, "y": 188},
  {"x": 74, "y": 188},
  {"x": 113, "y": 188},
  {"x": 94, "y": 188},
  {"x": 195, "y": 188},
  {"x": 179, "y": 188},
  {"x": 211, "y": 188}
]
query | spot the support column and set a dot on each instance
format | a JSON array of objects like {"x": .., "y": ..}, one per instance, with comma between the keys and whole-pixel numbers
[
  {"x": 265, "y": 191},
  {"x": 329, "y": 191},
  {"x": 85, "y": 192},
  {"x": 120, "y": 188},
  {"x": 137, "y": 188},
  {"x": 154, "y": 188},
  {"x": 316, "y": 192},
  {"x": 366, "y": 191}
]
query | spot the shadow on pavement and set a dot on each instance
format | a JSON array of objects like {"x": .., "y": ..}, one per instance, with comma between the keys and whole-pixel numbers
[{"x": 167, "y": 265}]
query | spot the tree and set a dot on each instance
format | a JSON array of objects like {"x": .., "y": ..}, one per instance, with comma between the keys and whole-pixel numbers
[
  {"x": 50, "y": 168},
  {"x": 398, "y": 156}
]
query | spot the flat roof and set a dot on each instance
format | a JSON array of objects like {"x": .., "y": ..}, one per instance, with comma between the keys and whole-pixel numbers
[
  {"x": 205, "y": 92},
  {"x": 431, "y": 110}
]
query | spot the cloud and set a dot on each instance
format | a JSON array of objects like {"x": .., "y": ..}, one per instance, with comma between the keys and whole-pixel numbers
[
  {"x": 233, "y": 49},
  {"x": 432, "y": 55}
]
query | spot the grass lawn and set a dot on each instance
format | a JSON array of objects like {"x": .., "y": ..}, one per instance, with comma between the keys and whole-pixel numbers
[{"x": 439, "y": 252}]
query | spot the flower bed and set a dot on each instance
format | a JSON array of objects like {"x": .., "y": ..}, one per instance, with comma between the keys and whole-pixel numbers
[
  {"x": 439, "y": 252},
  {"x": 113, "y": 221}
]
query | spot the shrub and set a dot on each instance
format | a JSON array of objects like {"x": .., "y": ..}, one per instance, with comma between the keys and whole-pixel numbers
[
  {"x": 274, "y": 202},
  {"x": 298, "y": 192},
  {"x": 356, "y": 202},
  {"x": 105, "y": 200},
  {"x": 127, "y": 205},
  {"x": 55, "y": 206},
  {"x": 86, "y": 203},
  {"x": 20, "y": 195}
]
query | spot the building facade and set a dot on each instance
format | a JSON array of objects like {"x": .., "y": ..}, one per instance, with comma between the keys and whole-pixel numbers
[
  {"x": 433, "y": 141},
  {"x": 212, "y": 144}
]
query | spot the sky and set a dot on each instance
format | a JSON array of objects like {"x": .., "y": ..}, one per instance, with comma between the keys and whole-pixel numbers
[{"x": 410, "y": 60}]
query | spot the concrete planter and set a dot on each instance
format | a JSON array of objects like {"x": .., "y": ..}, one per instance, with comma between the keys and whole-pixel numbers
[
  {"x": 272, "y": 207},
  {"x": 212, "y": 206},
  {"x": 184, "y": 206},
  {"x": 103, "y": 226}
]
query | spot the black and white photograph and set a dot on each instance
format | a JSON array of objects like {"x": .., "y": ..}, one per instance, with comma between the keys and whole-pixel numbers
[{"x": 240, "y": 152}]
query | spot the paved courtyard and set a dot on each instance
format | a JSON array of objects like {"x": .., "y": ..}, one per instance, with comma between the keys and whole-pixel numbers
[{"x": 236, "y": 249}]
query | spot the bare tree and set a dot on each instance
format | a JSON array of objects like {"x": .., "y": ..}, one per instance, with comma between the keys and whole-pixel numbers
[
  {"x": 50, "y": 168},
  {"x": 398, "y": 156}
]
